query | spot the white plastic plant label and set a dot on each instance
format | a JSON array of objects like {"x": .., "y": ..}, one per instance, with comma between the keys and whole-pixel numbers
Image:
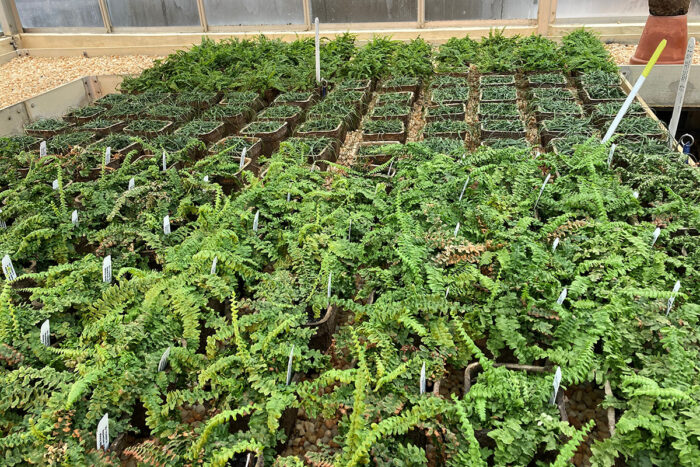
[
  {"x": 562, "y": 296},
  {"x": 103, "y": 433},
  {"x": 108, "y": 155},
  {"x": 289, "y": 196},
  {"x": 546, "y": 180},
  {"x": 164, "y": 360},
  {"x": 255, "y": 220},
  {"x": 213, "y": 265},
  {"x": 107, "y": 269},
  {"x": 8, "y": 268},
  {"x": 247, "y": 461},
  {"x": 165, "y": 162},
  {"x": 464, "y": 188},
  {"x": 557, "y": 382},
  {"x": 42, "y": 149},
  {"x": 655, "y": 237},
  {"x": 676, "y": 288},
  {"x": 610, "y": 155},
  {"x": 289, "y": 365},
  {"x": 166, "y": 225},
  {"x": 241, "y": 163},
  {"x": 391, "y": 165},
  {"x": 330, "y": 278},
  {"x": 635, "y": 194},
  {"x": 74, "y": 217},
  {"x": 45, "y": 333},
  {"x": 132, "y": 184},
  {"x": 422, "y": 379},
  {"x": 447, "y": 292},
  {"x": 555, "y": 244},
  {"x": 457, "y": 229},
  {"x": 206, "y": 179},
  {"x": 54, "y": 184}
]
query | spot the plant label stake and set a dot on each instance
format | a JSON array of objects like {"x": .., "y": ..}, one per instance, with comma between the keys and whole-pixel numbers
[
  {"x": 546, "y": 180},
  {"x": 464, "y": 189},
  {"x": 635, "y": 194},
  {"x": 388, "y": 172},
  {"x": 107, "y": 269},
  {"x": 247, "y": 461},
  {"x": 8, "y": 268},
  {"x": 166, "y": 225},
  {"x": 289, "y": 365},
  {"x": 562, "y": 296},
  {"x": 447, "y": 292},
  {"x": 242, "y": 161},
  {"x": 557, "y": 382},
  {"x": 610, "y": 155},
  {"x": 54, "y": 184},
  {"x": 255, "y": 220},
  {"x": 165, "y": 162},
  {"x": 676, "y": 288},
  {"x": 422, "y": 379},
  {"x": 164, "y": 360},
  {"x": 680, "y": 95},
  {"x": 289, "y": 196},
  {"x": 318, "y": 52},
  {"x": 42, "y": 149},
  {"x": 108, "y": 155},
  {"x": 132, "y": 184},
  {"x": 328, "y": 291},
  {"x": 457, "y": 229},
  {"x": 3, "y": 224},
  {"x": 635, "y": 90},
  {"x": 213, "y": 265},
  {"x": 555, "y": 244},
  {"x": 74, "y": 217},
  {"x": 103, "y": 433},
  {"x": 655, "y": 237},
  {"x": 45, "y": 333},
  {"x": 206, "y": 179}
]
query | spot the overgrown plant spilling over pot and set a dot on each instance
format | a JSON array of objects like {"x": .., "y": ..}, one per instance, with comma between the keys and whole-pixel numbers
[{"x": 178, "y": 301}]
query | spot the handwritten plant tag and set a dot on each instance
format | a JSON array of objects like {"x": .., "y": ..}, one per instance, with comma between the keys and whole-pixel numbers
[
  {"x": 132, "y": 184},
  {"x": 555, "y": 244},
  {"x": 8, "y": 268},
  {"x": 164, "y": 360},
  {"x": 655, "y": 237},
  {"x": 289, "y": 365},
  {"x": 107, "y": 269},
  {"x": 213, "y": 265},
  {"x": 557, "y": 382},
  {"x": 255, "y": 220},
  {"x": 562, "y": 296},
  {"x": 103, "y": 433},
  {"x": 241, "y": 163},
  {"x": 546, "y": 180},
  {"x": 108, "y": 155},
  {"x": 74, "y": 217},
  {"x": 422, "y": 379},
  {"x": 42, "y": 149},
  {"x": 676, "y": 288},
  {"x": 45, "y": 333},
  {"x": 464, "y": 188},
  {"x": 54, "y": 184},
  {"x": 166, "y": 225}
]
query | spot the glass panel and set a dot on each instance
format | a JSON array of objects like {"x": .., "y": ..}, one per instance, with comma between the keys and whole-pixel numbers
[
  {"x": 364, "y": 11},
  {"x": 144, "y": 13},
  {"x": 59, "y": 13},
  {"x": 568, "y": 9},
  {"x": 445, "y": 10},
  {"x": 252, "y": 12}
]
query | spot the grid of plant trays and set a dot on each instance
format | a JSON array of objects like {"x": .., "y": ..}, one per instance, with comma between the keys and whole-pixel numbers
[{"x": 430, "y": 261}]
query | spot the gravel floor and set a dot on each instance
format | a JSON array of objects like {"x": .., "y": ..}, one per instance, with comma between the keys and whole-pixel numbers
[
  {"x": 623, "y": 52},
  {"x": 25, "y": 77}
]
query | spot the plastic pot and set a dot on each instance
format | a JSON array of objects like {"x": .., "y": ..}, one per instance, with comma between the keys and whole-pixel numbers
[
  {"x": 270, "y": 140},
  {"x": 672, "y": 28}
]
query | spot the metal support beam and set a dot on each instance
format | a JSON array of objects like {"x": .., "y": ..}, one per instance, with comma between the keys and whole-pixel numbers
[
  {"x": 202, "y": 16},
  {"x": 9, "y": 18},
  {"x": 106, "y": 19}
]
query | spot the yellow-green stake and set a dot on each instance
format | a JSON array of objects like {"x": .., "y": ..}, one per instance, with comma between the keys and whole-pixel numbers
[{"x": 635, "y": 91}]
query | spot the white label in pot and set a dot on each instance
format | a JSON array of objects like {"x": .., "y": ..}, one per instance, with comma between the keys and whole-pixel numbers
[
  {"x": 255, "y": 220},
  {"x": 54, "y": 184},
  {"x": 107, "y": 269},
  {"x": 464, "y": 188},
  {"x": 676, "y": 288},
  {"x": 457, "y": 229},
  {"x": 8, "y": 268},
  {"x": 132, "y": 184},
  {"x": 108, "y": 155},
  {"x": 206, "y": 179},
  {"x": 165, "y": 162},
  {"x": 422, "y": 379},
  {"x": 289, "y": 365},
  {"x": 635, "y": 194},
  {"x": 655, "y": 237},
  {"x": 45, "y": 333},
  {"x": 164, "y": 360},
  {"x": 103, "y": 433},
  {"x": 555, "y": 244},
  {"x": 42, "y": 149},
  {"x": 330, "y": 277},
  {"x": 74, "y": 217},
  {"x": 557, "y": 382},
  {"x": 166, "y": 225},
  {"x": 242, "y": 161},
  {"x": 562, "y": 296},
  {"x": 546, "y": 180}
]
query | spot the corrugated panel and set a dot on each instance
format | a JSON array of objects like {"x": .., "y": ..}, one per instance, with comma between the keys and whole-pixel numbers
[
  {"x": 59, "y": 13},
  {"x": 364, "y": 11},
  {"x": 144, "y": 13},
  {"x": 253, "y": 12},
  {"x": 446, "y": 10}
]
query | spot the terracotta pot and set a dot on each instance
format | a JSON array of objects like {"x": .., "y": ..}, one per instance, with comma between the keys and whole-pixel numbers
[{"x": 672, "y": 28}]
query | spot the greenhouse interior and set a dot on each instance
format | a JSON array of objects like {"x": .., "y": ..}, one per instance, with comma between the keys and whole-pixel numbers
[{"x": 328, "y": 233}]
